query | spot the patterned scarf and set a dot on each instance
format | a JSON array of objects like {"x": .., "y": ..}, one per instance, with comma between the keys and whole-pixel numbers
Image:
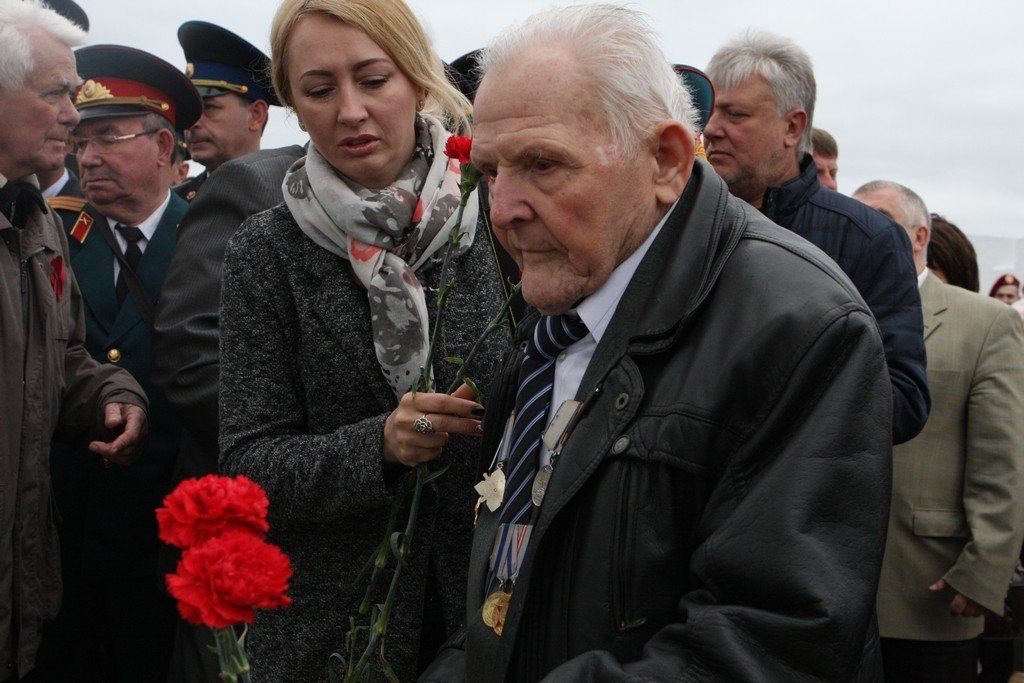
[{"x": 387, "y": 236}]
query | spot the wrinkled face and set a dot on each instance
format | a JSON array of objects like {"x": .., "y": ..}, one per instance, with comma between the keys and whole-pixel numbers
[
  {"x": 127, "y": 171},
  {"x": 38, "y": 118},
  {"x": 747, "y": 140},
  {"x": 1008, "y": 294},
  {"x": 357, "y": 105},
  {"x": 565, "y": 202},
  {"x": 828, "y": 169},
  {"x": 222, "y": 132}
]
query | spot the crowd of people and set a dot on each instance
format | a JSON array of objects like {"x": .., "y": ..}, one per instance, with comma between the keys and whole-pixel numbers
[{"x": 747, "y": 427}]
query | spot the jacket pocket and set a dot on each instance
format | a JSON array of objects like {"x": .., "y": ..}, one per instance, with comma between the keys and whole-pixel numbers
[
  {"x": 940, "y": 524},
  {"x": 624, "y": 544}
]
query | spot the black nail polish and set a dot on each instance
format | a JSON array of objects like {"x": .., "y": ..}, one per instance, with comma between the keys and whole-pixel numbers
[{"x": 479, "y": 411}]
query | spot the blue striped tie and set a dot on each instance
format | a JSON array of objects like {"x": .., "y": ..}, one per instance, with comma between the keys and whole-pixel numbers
[{"x": 552, "y": 335}]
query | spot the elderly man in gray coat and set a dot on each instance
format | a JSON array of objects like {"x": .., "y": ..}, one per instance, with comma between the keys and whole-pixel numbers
[
  {"x": 48, "y": 380},
  {"x": 690, "y": 445}
]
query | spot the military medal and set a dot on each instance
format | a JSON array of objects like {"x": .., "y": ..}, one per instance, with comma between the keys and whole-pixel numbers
[
  {"x": 540, "y": 484},
  {"x": 495, "y": 609},
  {"x": 492, "y": 489}
]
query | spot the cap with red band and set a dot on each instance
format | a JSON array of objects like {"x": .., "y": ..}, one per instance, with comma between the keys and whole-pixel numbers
[{"x": 123, "y": 81}]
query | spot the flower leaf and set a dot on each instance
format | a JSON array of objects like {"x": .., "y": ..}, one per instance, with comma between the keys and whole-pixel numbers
[
  {"x": 396, "y": 544},
  {"x": 435, "y": 474},
  {"x": 454, "y": 360}
]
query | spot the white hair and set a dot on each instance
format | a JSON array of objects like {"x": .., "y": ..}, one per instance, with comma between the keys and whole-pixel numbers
[
  {"x": 913, "y": 206},
  {"x": 782, "y": 63},
  {"x": 21, "y": 22},
  {"x": 617, "y": 48}
]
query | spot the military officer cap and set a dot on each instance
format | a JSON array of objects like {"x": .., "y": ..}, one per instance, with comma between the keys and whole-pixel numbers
[
  {"x": 701, "y": 89},
  {"x": 220, "y": 62},
  {"x": 69, "y": 10},
  {"x": 463, "y": 73},
  {"x": 123, "y": 81}
]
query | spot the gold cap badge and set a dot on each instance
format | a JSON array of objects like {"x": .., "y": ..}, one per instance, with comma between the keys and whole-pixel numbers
[{"x": 91, "y": 91}]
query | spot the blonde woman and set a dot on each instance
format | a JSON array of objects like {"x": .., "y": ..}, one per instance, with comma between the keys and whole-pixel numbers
[{"x": 327, "y": 310}]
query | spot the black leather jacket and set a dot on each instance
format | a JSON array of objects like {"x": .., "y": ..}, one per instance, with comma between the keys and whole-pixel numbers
[{"x": 719, "y": 512}]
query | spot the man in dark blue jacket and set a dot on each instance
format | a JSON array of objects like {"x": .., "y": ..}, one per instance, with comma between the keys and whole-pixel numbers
[{"x": 759, "y": 141}]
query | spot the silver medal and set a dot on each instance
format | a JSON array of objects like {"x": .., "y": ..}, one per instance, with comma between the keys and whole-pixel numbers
[{"x": 540, "y": 484}]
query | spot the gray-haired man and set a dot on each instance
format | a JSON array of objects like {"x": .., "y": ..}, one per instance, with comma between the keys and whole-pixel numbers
[
  {"x": 759, "y": 141},
  {"x": 48, "y": 381},
  {"x": 688, "y": 482},
  {"x": 957, "y": 516}
]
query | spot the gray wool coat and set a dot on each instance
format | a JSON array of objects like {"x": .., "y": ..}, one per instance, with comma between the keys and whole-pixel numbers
[{"x": 303, "y": 404}]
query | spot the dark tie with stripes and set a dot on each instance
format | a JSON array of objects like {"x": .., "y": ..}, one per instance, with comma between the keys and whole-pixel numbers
[
  {"x": 552, "y": 335},
  {"x": 132, "y": 254}
]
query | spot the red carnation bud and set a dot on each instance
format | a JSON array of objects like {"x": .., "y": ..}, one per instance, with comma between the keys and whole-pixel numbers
[
  {"x": 458, "y": 147},
  {"x": 199, "y": 509},
  {"x": 222, "y": 581}
]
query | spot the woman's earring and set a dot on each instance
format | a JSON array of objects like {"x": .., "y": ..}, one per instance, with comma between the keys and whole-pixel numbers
[
  {"x": 302, "y": 126},
  {"x": 420, "y": 105}
]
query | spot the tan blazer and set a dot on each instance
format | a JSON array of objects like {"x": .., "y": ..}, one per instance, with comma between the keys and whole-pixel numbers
[{"x": 957, "y": 502}]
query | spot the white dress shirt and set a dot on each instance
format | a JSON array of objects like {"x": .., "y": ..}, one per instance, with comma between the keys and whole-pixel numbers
[
  {"x": 148, "y": 227},
  {"x": 596, "y": 311},
  {"x": 54, "y": 190},
  {"x": 921, "y": 277}
]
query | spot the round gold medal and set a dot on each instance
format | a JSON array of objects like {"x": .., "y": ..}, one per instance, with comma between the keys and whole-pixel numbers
[{"x": 494, "y": 610}]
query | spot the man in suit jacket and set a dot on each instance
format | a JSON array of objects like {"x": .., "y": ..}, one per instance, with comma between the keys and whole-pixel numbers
[
  {"x": 233, "y": 78},
  {"x": 116, "y": 621},
  {"x": 956, "y": 523},
  {"x": 186, "y": 341}
]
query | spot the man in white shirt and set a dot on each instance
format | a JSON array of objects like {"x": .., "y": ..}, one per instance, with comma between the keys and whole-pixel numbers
[
  {"x": 957, "y": 516},
  {"x": 691, "y": 442},
  {"x": 115, "y": 617}
]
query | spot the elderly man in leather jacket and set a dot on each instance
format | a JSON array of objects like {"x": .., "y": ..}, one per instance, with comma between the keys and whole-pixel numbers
[
  {"x": 759, "y": 141},
  {"x": 691, "y": 442}
]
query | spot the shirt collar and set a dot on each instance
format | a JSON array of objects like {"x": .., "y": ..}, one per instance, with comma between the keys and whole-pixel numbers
[
  {"x": 597, "y": 309},
  {"x": 148, "y": 226},
  {"x": 54, "y": 189},
  {"x": 921, "y": 277}
]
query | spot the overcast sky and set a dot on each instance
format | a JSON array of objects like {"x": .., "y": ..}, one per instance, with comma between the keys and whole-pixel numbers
[{"x": 926, "y": 93}]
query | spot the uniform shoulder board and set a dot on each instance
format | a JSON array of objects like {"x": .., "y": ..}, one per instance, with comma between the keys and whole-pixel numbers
[{"x": 66, "y": 203}]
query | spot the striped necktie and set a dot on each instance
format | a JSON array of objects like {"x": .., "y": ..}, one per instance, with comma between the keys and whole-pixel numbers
[{"x": 552, "y": 335}]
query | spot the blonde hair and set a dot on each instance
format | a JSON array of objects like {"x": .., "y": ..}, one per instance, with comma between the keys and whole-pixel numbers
[{"x": 393, "y": 27}]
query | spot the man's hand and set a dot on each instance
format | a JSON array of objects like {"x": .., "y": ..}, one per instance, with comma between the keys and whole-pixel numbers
[
  {"x": 961, "y": 605},
  {"x": 130, "y": 426}
]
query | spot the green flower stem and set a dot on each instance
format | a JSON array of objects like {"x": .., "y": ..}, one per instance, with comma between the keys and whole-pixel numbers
[
  {"x": 380, "y": 558},
  {"x": 379, "y": 624},
  {"x": 494, "y": 324},
  {"x": 234, "y": 665},
  {"x": 442, "y": 298}
]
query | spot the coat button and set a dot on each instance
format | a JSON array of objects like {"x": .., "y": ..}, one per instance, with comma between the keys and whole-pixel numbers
[
  {"x": 621, "y": 444},
  {"x": 622, "y": 401},
  {"x": 113, "y": 355}
]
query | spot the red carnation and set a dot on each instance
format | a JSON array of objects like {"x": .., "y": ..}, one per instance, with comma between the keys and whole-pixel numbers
[
  {"x": 458, "y": 147},
  {"x": 200, "y": 509},
  {"x": 57, "y": 276},
  {"x": 221, "y": 582}
]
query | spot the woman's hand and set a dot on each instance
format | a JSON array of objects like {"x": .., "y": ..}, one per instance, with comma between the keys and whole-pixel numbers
[{"x": 455, "y": 414}]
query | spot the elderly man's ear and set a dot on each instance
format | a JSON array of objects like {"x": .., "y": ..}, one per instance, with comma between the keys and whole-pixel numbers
[
  {"x": 165, "y": 146},
  {"x": 672, "y": 147}
]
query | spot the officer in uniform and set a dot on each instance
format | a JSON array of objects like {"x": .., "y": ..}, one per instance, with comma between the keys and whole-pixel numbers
[
  {"x": 116, "y": 621},
  {"x": 232, "y": 77}
]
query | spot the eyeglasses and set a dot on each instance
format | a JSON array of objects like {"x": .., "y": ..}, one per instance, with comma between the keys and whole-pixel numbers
[{"x": 104, "y": 143}]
